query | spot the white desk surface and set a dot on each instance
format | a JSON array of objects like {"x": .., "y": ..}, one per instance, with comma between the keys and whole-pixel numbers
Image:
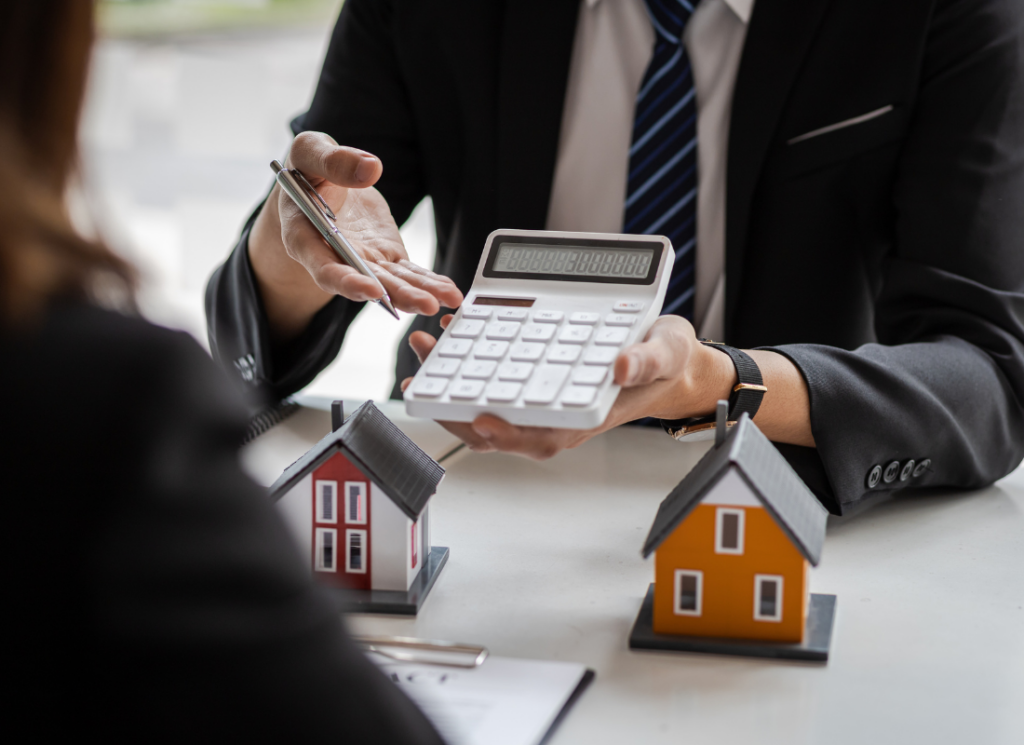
[{"x": 545, "y": 564}]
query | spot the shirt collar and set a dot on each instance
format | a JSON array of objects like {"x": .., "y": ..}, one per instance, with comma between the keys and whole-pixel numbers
[{"x": 742, "y": 8}]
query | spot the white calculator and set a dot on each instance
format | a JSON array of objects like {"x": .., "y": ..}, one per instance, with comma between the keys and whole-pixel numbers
[{"x": 536, "y": 339}]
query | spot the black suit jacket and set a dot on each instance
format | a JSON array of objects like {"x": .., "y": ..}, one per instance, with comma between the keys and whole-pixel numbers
[
  {"x": 151, "y": 592},
  {"x": 882, "y": 258}
]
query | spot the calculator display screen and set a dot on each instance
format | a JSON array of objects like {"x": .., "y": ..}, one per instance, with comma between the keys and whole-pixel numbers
[
  {"x": 613, "y": 263},
  {"x": 617, "y": 262}
]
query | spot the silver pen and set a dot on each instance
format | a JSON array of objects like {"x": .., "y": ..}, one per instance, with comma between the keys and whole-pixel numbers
[{"x": 319, "y": 213}]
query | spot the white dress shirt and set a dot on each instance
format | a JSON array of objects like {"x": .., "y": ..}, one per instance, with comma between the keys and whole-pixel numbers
[{"x": 614, "y": 43}]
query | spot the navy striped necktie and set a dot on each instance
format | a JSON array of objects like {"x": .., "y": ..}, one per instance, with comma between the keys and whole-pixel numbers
[{"x": 661, "y": 191}]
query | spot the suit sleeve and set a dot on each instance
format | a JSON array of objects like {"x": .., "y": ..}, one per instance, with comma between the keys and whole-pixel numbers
[
  {"x": 361, "y": 101},
  {"x": 201, "y": 592},
  {"x": 944, "y": 385}
]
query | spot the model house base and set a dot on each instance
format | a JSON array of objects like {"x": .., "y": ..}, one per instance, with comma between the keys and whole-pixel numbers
[
  {"x": 815, "y": 646},
  {"x": 394, "y": 602}
]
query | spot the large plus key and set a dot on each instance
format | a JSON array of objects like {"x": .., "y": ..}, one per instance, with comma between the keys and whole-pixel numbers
[{"x": 545, "y": 384}]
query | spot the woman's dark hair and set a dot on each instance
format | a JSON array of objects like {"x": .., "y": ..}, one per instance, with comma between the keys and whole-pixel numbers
[{"x": 45, "y": 47}]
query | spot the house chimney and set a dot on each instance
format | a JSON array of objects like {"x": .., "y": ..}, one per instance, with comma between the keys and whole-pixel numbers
[
  {"x": 337, "y": 415},
  {"x": 721, "y": 412}
]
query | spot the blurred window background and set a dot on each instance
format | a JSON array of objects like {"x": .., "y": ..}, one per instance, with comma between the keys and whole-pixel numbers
[{"x": 189, "y": 101}]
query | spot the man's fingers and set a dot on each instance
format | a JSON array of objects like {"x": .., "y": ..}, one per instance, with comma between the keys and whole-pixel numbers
[
  {"x": 422, "y": 344},
  {"x": 439, "y": 286},
  {"x": 320, "y": 158},
  {"x": 661, "y": 355},
  {"x": 538, "y": 443}
]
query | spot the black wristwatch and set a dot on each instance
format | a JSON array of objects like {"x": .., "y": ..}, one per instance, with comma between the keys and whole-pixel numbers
[{"x": 746, "y": 397}]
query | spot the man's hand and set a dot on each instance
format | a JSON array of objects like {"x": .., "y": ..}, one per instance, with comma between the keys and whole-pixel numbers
[
  {"x": 298, "y": 273},
  {"x": 670, "y": 375}
]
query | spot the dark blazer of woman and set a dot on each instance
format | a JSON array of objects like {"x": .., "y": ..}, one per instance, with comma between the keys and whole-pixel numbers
[{"x": 152, "y": 592}]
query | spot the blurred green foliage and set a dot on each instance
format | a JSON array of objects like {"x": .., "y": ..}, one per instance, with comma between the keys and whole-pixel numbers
[{"x": 145, "y": 18}]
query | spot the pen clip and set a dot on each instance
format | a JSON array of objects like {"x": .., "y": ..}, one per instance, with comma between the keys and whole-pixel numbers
[
  {"x": 389, "y": 646},
  {"x": 308, "y": 187}
]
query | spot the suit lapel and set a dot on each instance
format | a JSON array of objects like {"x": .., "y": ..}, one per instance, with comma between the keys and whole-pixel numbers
[
  {"x": 536, "y": 51},
  {"x": 778, "y": 38}
]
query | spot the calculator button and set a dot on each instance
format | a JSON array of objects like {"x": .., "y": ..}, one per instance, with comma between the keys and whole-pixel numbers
[
  {"x": 490, "y": 350},
  {"x": 545, "y": 384},
  {"x": 455, "y": 348},
  {"x": 503, "y": 391},
  {"x": 527, "y": 351},
  {"x": 466, "y": 389},
  {"x": 548, "y": 316},
  {"x": 619, "y": 319},
  {"x": 482, "y": 369},
  {"x": 511, "y": 314},
  {"x": 476, "y": 311},
  {"x": 502, "y": 330},
  {"x": 611, "y": 337},
  {"x": 515, "y": 370},
  {"x": 467, "y": 329},
  {"x": 429, "y": 387},
  {"x": 563, "y": 354},
  {"x": 628, "y": 306},
  {"x": 442, "y": 368},
  {"x": 600, "y": 356},
  {"x": 574, "y": 335},
  {"x": 587, "y": 318},
  {"x": 538, "y": 332},
  {"x": 582, "y": 396},
  {"x": 589, "y": 375}
]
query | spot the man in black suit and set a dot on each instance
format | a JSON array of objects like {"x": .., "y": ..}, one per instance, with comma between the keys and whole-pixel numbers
[{"x": 871, "y": 186}]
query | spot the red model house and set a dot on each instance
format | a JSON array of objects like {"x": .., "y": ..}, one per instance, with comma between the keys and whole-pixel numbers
[{"x": 365, "y": 488}]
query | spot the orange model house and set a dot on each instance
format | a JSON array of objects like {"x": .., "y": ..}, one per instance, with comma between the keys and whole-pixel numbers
[{"x": 733, "y": 545}]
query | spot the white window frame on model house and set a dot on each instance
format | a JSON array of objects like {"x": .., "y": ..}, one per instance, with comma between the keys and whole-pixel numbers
[
  {"x": 319, "y": 547},
  {"x": 758, "y": 580},
  {"x": 699, "y": 575},
  {"x": 320, "y": 516},
  {"x": 741, "y": 519},
  {"x": 348, "y": 551},
  {"x": 361, "y": 486}
]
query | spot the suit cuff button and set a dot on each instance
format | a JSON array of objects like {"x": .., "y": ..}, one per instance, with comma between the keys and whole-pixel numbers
[
  {"x": 908, "y": 468},
  {"x": 891, "y": 472},
  {"x": 923, "y": 467},
  {"x": 874, "y": 476}
]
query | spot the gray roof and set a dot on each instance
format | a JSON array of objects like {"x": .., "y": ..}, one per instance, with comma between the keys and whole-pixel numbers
[
  {"x": 381, "y": 451},
  {"x": 772, "y": 480}
]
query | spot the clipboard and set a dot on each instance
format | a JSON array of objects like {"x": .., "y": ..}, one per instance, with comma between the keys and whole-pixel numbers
[{"x": 503, "y": 701}]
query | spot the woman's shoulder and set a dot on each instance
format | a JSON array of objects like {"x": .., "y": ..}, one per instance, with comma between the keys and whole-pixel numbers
[{"x": 99, "y": 368}]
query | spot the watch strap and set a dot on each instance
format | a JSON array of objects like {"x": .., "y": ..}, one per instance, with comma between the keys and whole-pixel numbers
[{"x": 746, "y": 395}]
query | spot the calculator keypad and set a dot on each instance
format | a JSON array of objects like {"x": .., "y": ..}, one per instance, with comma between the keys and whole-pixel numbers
[
  {"x": 527, "y": 352},
  {"x": 479, "y": 369},
  {"x": 546, "y": 382},
  {"x": 563, "y": 354},
  {"x": 515, "y": 371},
  {"x": 502, "y": 330},
  {"x": 490, "y": 350},
  {"x": 467, "y": 329},
  {"x": 503, "y": 391},
  {"x": 443, "y": 368},
  {"x": 575, "y": 335},
  {"x": 455, "y": 348},
  {"x": 539, "y": 357},
  {"x": 538, "y": 332},
  {"x": 466, "y": 389}
]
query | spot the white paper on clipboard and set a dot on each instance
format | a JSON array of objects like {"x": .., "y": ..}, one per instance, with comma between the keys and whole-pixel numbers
[{"x": 505, "y": 701}]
